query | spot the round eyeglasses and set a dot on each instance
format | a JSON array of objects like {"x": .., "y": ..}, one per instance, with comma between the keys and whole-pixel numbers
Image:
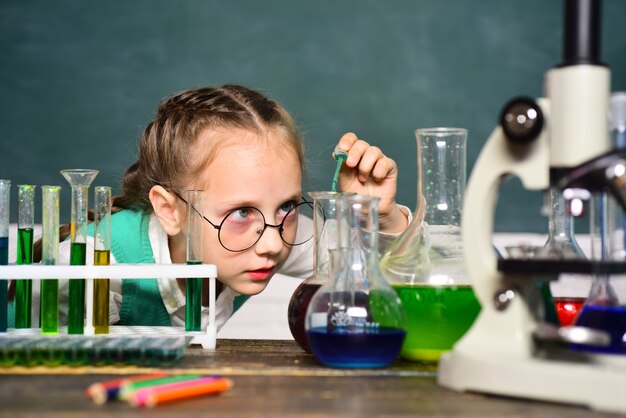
[{"x": 243, "y": 227}]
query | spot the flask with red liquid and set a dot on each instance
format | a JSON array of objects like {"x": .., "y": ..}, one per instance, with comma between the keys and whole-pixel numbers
[{"x": 325, "y": 239}]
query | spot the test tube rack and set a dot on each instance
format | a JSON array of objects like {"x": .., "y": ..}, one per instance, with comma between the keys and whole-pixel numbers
[{"x": 178, "y": 338}]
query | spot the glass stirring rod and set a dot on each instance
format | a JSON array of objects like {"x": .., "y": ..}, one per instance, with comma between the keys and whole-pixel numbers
[{"x": 341, "y": 157}]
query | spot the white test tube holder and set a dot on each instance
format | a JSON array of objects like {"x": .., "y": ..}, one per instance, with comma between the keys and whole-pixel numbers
[{"x": 207, "y": 339}]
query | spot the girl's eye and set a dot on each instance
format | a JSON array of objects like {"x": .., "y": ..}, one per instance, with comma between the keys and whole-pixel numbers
[
  {"x": 286, "y": 208},
  {"x": 239, "y": 214}
]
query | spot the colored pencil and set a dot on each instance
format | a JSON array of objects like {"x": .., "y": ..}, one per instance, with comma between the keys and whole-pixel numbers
[
  {"x": 169, "y": 393},
  {"x": 103, "y": 392},
  {"x": 139, "y": 397},
  {"x": 128, "y": 388}
]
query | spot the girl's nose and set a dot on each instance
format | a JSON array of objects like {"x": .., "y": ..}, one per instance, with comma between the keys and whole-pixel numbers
[{"x": 270, "y": 242}]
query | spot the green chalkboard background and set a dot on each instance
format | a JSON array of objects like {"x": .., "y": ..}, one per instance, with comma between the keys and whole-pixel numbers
[{"x": 80, "y": 80}]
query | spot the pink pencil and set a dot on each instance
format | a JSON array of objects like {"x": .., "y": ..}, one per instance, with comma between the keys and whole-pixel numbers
[{"x": 154, "y": 395}]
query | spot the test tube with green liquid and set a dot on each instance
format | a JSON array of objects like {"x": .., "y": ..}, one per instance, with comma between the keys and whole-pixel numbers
[
  {"x": 193, "y": 286},
  {"x": 25, "y": 225},
  {"x": 5, "y": 196},
  {"x": 102, "y": 257},
  {"x": 49, "y": 256},
  {"x": 79, "y": 180},
  {"x": 341, "y": 157}
]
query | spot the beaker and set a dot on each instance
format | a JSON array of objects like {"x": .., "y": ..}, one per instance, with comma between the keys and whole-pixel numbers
[
  {"x": 25, "y": 228},
  {"x": 79, "y": 180},
  {"x": 356, "y": 319},
  {"x": 5, "y": 196},
  {"x": 49, "y": 256},
  {"x": 101, "y": 257},
  {"x": 425, "y": 263},
  {"x": 561, "y": 244},
  {"x": 325, "y": 239},
  {"x": 193, "y": 286}
]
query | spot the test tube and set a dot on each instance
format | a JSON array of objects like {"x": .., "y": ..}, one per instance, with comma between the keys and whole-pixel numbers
[
  {"x": 80, "y": 180},
  {"x": 5, "y": 195},
  {"x": 101, "y": 257},
  {"x": 25, "y": 224},
  {"x": 49, "y": 255},
  {"x": 193, "y": 286}
]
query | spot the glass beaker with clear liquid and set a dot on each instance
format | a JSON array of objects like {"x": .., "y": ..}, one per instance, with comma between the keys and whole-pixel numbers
[
  {"x": 425, "y": 263},
  {"x": 356, "y": 319},
  {"x": 325, "y": 239}
]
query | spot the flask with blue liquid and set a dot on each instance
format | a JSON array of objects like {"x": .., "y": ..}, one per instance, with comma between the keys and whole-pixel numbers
[{"x": 356, "y": 319}]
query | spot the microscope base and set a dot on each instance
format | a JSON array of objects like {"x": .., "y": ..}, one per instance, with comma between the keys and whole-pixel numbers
[{"x": 597, "y": 382}]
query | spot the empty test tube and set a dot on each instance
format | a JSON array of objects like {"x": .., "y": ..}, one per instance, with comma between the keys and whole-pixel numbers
[
  {"x": 80, "y": 180},
  {"x": 193, "y": 286},
  {"x": 101, "y": 257},
  {"x": 5, "y": 194},
  {"x": 25, "y": 225},
  {"x": 49, "y": 255}
]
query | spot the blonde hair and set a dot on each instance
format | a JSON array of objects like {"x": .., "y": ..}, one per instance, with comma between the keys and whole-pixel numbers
[{"x": 166, "y": 146}]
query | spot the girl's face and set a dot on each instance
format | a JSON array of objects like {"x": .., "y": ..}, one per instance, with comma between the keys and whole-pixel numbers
[{"x": 248, "y": 172}]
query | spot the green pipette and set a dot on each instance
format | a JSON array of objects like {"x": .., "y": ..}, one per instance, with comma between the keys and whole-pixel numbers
[{"x": 341, "y": 157}]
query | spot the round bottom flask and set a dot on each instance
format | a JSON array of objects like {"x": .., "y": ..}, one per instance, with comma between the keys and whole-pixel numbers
[
  {"x": 325, "y": 239},
  {"x": 356, "y": 319}
]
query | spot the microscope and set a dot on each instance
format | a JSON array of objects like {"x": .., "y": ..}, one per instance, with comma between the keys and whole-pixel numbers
[{"x": 561, "y": 140}]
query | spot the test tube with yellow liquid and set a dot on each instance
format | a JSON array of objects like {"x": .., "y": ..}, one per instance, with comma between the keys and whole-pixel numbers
[
  {"x": 79, "y": 180},
  {"x": 25, "y": 227},
  {"x": 101, "y": 257},
  {"x": 193, "y": 286},
  {"x": 49, "y": 256}
]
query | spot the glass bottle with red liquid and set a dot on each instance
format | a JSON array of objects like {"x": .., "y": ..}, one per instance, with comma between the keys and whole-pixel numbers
[
  {"x": 325, "y": 239},
  {"x": 561, "y": 244},
  {"x": 356, "y": 319}
]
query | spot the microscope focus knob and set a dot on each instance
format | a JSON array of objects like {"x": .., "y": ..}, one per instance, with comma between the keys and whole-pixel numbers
[{"x": 521, "y": 120}]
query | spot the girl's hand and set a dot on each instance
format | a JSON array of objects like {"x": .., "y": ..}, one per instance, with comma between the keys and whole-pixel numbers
[{"x": 369, "y": 172}]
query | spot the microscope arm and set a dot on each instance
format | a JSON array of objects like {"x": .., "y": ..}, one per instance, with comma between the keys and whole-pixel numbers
[{"x": 498, "y": 292}]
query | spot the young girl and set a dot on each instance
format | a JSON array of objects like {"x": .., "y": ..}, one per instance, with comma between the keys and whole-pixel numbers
[{"x": 244, "y": 151}]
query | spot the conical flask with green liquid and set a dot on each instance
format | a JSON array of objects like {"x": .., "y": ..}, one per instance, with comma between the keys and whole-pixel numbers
[{"x": 425, "y": 263}]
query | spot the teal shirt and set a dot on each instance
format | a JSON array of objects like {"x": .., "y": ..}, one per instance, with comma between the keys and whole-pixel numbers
[{"x": 142, "y": 303}]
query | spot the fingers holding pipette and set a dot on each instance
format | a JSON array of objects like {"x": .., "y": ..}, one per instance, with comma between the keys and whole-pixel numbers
[{"x": 368, "y": 171}]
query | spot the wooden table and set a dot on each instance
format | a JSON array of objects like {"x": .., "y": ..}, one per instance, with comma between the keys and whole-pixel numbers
[{"x": 272, "y": 378}]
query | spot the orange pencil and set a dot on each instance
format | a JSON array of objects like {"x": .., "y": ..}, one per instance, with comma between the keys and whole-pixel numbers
[{"x": 153, "y": 396}]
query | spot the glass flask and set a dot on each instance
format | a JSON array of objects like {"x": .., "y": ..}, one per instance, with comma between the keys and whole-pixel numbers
[
  {"x": 325, "y": 239},
  {"x": 356, "y": 319},
  {"x": 425, "y": 263},
  {"x": 561, "y": 300},
  {"x": 604, "y": 308}
]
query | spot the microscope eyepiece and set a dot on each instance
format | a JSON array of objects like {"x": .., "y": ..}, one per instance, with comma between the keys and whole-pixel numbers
[{"x": 522, "y": 120}]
